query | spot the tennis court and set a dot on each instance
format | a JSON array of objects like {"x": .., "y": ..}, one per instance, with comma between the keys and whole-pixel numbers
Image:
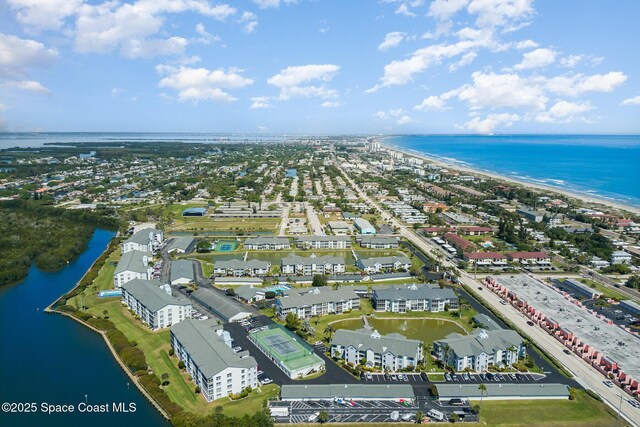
[
  {"x": 294, "y": 356},
  {"x": 226, "y": 246}
]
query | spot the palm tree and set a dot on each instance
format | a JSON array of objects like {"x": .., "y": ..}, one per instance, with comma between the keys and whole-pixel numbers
[
  {"x": 483, "y": 390},
  {"x": 329, "y": 330}
]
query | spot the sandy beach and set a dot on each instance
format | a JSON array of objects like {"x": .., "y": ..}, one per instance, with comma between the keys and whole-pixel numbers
[{"x": 594, "y": 202}]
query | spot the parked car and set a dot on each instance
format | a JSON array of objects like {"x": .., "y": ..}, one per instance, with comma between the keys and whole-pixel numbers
[
  {"x": 465, "y": 376},
  {"x": 530, "y": 323},
  {"x": 608, "y": 383},
  {"x": 634, "y": 403},
  {"x": 369, "y": 376},
  {"x": 266, "y": 380}
]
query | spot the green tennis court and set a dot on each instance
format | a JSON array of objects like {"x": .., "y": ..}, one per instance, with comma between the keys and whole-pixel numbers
[
  {"x": 226, "y": 246},
  {"x": 294, "y": 356}
]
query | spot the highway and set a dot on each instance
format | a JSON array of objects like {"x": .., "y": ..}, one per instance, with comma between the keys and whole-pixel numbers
[{"x": 586, "y": 375}]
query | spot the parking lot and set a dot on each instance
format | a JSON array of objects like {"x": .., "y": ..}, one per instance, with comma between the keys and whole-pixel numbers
[
  {"x": 379, "y": 411},
  {"x": 394, "y": 378}
]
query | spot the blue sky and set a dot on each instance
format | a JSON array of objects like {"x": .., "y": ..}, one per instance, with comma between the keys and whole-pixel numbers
[{"x": 320, "y": 66}]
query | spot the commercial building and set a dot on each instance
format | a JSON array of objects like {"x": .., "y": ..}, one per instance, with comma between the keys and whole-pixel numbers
[
  {"x": 237, "y": 267},
  {"x": 323, "y": 242},
  {"x": 133, "y": 265},
  {"x": 154, "y": 304},
  {"x": 182, "y": 272},
  {"x": 579, "y": 288},
  {"x": 317, "y": 302},
  {"x": 205, "y": 349},
  {"x": 414, "y": 297},
  {"x": 194, "y": 212},
  {"x": 481, "y": 349},
  {"x": 389, "y": 352},
  {"x": 363, "y": 226},
  {"x": 621, "y": 257},
  {"x": 607, "y": 347},
  {"x": 379, "y": 242},
  {"x": 331, "y": 392},
  {"x": 312, "y": 265},
  {"x": 146, "y": 240},
  {"x": 378, "y": 264},
  {"x": 267, "y": 243}
]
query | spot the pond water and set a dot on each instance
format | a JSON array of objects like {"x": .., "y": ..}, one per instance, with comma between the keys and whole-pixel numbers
[{"x": 426, "y": 330}]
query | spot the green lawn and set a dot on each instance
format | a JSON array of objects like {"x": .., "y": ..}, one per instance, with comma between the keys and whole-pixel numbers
[
  {"x": 250, "y": 404},
  {"x": 199, "y": 224},
  {"x": 607, "y": 291},
  {"x": 583, "y": 411}
]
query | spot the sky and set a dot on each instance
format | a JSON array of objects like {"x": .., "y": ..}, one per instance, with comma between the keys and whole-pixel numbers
[{"x": 320, "y": 66}]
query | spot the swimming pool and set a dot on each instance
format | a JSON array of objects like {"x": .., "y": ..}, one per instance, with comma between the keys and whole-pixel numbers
[{"x": 108, "y": 294}]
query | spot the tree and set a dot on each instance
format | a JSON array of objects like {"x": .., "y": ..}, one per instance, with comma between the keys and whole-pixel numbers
[
  {"x": 329, "y": 330},
  {"x": 181, "y": 364},
  {"x": 319, "y": 280},
  {"x": 292, "y": 322},
  {"x": 483, "y": 390},
  {"x": 454, "y": 417},
  {"x": 165, "y": 379},
  {"x": 105, "y": 313},
  {"x": 323, "y": 417},
  {"x": 633, "y": 282},
  {"x": 419, "y": 417}
]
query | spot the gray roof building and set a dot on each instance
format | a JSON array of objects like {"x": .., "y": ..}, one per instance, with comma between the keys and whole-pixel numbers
[
  {"x": 481, "y": 341},
  {"x": 228, "y": 309},
  {"x": 346, "y": 391},
  {"x": 181, "y": 244},
  {"x": 383, "y": 261},
  {"x": 308, "y": 261},
  {"x": 182, "y": 269},
  {"x": 142, "y": 236},
  {"x": 260, "y": 241},
  {"x": 365, "y": 339},
  {"x": 368, "y": 240},
  {"x": 486, "y": 322},
  {"x": 294, "y": 298},
  {"x": 133, "y": 261},
  {"x": 414, "y": 292},
  {"x": 247, "y": 293},
  {"x": 208, "y": 351},
  {"x": 149, "y": 294},
  {"x": 323, "y": 239},
  {"x": 503, "y": 391}
]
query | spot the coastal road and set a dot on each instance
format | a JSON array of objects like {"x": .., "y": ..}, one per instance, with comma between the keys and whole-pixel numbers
[{"x": 586, "y": 375}]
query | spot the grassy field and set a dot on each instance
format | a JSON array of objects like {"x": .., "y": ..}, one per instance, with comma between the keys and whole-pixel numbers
[
  {"x": 248, "y": 405},
  {"x": 607, "y": 291},
  {"x": 582, "y": 411},
  {"x": 204, "y": 224}
]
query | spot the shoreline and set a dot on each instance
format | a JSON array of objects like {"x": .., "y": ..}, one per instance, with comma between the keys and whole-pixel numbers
[{"x": 585, "y": 197}]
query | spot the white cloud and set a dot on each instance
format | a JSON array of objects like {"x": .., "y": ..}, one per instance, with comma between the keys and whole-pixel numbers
[
  {"x": 404, "y": 120},
  {"x": 571, "y": 61},
  {"x": 564, "y": 111},
  {"x": 260, "y": 102},
  {"x": 44, "y": 14},
  {"x": 490, "y": 90},
  {"x": 268, "y": 4},
  {"x": 493, "y": 13},
  {"x": 491, "y": 122},
  {"x": 579, "y": 84},
  {"x": 116, "y": 91},
  {"x": 434, "y": 103},
  {"x": 250, "y": 21},
  {"x": 17, "y": 55},
  {"x": 445, "y": 9},
  {"x": 632, "y": 101},
  {"x": 195, "y": 84},
  {"x": 526, "y": 44},
  {"x": 294, "y": 81},
  {"x": 536, "y": 59},
  {"x": 391, "y": 40},
  {"x": 466, "y": 59},
  {"x": 331, "y": 104},
  {"x": 398, "y": 114},
  {"x": 205, "y": 36},
  {"x": 130, "y": 27},
  {"x": 27, "y": 85}
]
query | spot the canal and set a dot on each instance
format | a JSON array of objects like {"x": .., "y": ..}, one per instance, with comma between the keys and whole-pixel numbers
[{"x": 51, "y": 359}]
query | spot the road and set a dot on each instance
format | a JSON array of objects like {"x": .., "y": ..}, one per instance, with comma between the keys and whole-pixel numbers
[
  {"x": 586, "y": 375},
  {"x": 314, "y": 221},
  {"x": 285, "y": 219}
]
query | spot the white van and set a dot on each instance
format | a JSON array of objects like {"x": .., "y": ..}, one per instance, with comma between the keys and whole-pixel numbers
[
  {"x": 313, "y": 417},
  {"x": 436, "y": 414}
]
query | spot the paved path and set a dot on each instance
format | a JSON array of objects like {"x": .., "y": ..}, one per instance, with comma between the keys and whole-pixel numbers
[
  {"x": 285, "y": 219},
  {"x": 586, "y": 375}
]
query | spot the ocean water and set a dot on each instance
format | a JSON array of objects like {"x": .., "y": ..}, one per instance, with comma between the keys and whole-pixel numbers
[{"x": 606, "y": 166}]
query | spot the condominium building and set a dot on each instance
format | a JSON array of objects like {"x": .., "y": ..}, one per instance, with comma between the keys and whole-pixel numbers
[
  {"x": 146, "y": 240},
  {"x": 205, "y": 349},
  {"x": 323, "y": 242},
  {"x": 267, "y": 243},
  {"x": 389, "y": 352},
  {"x": 237, "y": 267},
  {"x": 378, "y": 264},
  {"x": 481, "y": 349},
  {"x": 317, "y": 302},
  {"x": 379, "y": 242},
  {"x": 154, "y": 304},
  {"x": 312, "y": 265},
  {"x": 414, "y": 297},
  {"x": 133, "y": 265}
]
